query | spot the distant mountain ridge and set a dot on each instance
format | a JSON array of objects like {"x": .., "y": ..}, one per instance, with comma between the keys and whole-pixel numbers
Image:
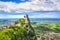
[
  {"x": 43, "y": 19},
  {"x": 31, "y": 19}
]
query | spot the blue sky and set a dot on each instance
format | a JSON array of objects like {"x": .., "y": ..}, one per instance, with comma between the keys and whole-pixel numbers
[
  {"x": 34, "y": 8},
  {"x": 16, "y": 1}
]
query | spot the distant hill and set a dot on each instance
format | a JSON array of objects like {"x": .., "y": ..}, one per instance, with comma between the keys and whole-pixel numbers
[
  {"x": 5, "y": 21},
  {"x": 44, "y": 19}
]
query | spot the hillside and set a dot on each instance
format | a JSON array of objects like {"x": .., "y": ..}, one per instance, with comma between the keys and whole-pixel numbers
[
  {"x": 18, "y": 30},
  {"x": 47, "y": 30}
]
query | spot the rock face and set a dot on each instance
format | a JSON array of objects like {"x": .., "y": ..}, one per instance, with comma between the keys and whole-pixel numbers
[{"x": 29, "y": 27}]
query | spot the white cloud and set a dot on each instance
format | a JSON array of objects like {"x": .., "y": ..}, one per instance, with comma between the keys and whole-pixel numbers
[
  {"x": 36, "y": 15},
  {"x": 11, "y": 16},
  {"x": 45, "y": 15},
  {"x": 33, "y": 5},
  {"x": 15, "y": 16}
]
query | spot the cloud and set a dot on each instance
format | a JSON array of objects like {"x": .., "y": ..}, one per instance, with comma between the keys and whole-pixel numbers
[
  {"x": 32, "y": 15},
  {"x": 32, "y": 5},
  {"x": 45, "y": 15},
  {"x": 11, "y": 16}
]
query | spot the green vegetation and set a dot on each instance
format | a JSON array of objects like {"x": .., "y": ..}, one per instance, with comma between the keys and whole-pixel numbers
[
  {"x": 19, "y": 31},
  {"x": 16, "y": 33},
  {"x": 22, "y": 29},
  {"x": 46, "y": 27}
]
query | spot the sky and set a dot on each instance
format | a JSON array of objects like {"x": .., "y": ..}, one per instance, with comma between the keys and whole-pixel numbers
[{"x": 34, "y": 8}]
